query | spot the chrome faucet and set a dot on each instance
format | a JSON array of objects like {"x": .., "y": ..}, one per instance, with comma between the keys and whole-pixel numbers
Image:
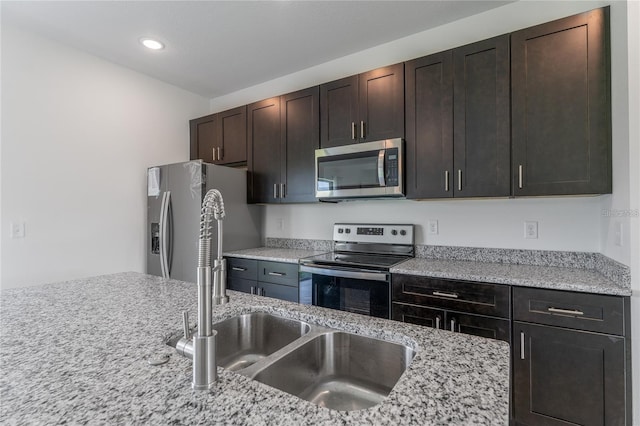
[{"x": 202, "y": 347}]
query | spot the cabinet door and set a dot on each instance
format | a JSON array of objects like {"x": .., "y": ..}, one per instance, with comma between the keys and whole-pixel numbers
[
  {"x": 300, "y": 138},
  {"x": 419, "y": 315},
  {"x": 277, "y": 291},
  {"x": 232, "y": 136},
  {"x": 381, "y": 104},
  {"x": 567, "y": 377},
  {"x": 240, "y": 284},
  {"x": 203, "y": 140},
  {"x": 339, "y": 112},
  {"x": 263, "y": 132},
  {"x": 482, "y": 161},
  {"x": 478, "y": 325},
  {"x": 561, "y": 106},
  {"x": 429, "y": 124}
]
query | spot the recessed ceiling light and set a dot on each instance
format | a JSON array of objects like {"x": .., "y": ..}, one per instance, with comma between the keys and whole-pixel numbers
[{"x": 151, "y": 43}]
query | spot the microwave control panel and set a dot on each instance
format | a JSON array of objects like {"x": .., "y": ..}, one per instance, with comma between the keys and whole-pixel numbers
[{"x": 391, "y": 167}]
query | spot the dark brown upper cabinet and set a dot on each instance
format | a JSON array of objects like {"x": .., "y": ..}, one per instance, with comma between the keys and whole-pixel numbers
[
  {"x": 561, "y": 134},
  {"x": 263, "y": 134},
  {"x": 300, "y": 126},
  {"x": 283, "y": 135},
  {"x": 458, "y": 122},
  {"x": 363, "y": 108},
  {"x": 220, "y": 138}
]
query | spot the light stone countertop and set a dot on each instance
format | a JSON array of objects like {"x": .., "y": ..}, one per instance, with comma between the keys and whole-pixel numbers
[
  {"x": 548, "y": 277},
  {"x": 274, "y": 254},
  {"x": 76, "y": 352}
]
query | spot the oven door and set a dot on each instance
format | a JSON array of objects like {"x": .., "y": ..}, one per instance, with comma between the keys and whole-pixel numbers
[{"x": 361, "y": 292}]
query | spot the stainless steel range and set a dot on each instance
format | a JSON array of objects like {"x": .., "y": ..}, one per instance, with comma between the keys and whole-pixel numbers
[{"x": 355, "y": 277}]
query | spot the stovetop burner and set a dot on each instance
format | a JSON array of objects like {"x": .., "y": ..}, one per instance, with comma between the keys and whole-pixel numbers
[{"x": 363, "y": 260}]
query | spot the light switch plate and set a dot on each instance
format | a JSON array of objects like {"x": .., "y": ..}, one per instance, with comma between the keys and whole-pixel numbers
[{"x": 16, "y": 230}]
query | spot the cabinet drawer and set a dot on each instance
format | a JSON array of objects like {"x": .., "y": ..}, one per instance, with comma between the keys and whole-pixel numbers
[
  {"x": 580, "y": 311},
  {"x": 278, "y": 273},
  {"x": 419, "y": 315},
  {"x": 242, "y": 268},
  {"x": 278, "y": 291},
  {"x": 462, "y": 296},
  {"x": 478, "y": 325}
]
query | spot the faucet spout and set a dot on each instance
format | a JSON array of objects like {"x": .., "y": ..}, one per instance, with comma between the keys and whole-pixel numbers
[{"x": 210, "y": 291}]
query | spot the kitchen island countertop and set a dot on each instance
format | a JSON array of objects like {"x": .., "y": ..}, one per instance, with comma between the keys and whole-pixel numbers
[{"x": 77, "y": 351}]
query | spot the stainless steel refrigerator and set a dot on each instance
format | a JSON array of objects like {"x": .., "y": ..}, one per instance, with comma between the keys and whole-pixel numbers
[{"x": 174, "y": 198}]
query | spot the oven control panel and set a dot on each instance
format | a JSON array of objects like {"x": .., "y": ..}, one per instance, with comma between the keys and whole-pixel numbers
[{"x": 373, "y": 233}]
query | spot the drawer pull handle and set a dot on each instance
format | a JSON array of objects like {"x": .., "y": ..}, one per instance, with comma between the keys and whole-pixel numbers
[
  {"x": 522, "y": 345},
  {"x": 565, "y": 311},
  {"x": 253, "y": 290},
  {"x": 236, "y": 268},
  {"x": 441, "y": 294},
  {"x": 277, "y": 274}
]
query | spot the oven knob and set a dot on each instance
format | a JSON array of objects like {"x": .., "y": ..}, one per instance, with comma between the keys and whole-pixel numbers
[
  {"x": 340, "y": 230},
  {"x": 348, "y": 231},
  {"x": 403, "y": 232},
  {"x": 394, "y": 232}
]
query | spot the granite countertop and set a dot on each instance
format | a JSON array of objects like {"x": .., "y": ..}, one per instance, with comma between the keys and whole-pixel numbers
[
  {"x": 275, "y": 254},
  {"x": 548, "y": 277},
  {"x": 77, "y": 351}
]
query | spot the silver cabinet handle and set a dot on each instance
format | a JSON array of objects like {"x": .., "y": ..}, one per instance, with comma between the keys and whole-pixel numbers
[
  {"x": 282, "y": 189},
  {"x": 253, "y": 290},
  {"x": 520, "y": 176},
  {"x": 459, "y": 180},
  {"x": 446, "y": 180},
  {"x": 262, "y": 292},
  {"x": 213, "y": 152},
  {"x": 219, "y": 153},
  {"x": 362, "y": 134},
  {"x": 236, "y": 268},
  {"x": 438, "y": 322},
  {"x": 353, "y": 130},
  {"x": 522, "y": 345},
  {"x": 275, "y": 190},
  {"x": 277, "y": 274},
  {"x": 441, "y": 294},
  {"x": 453, "y": 324},
  {"x": 565, "y": 311}
]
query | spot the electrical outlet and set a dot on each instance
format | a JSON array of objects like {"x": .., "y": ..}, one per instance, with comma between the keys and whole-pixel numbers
[
  {"x": 432, "y": 227},
  {"x": 619, "y": 241},
  {"x": 531, "y": 229},
  {"x": 16, "y": 229}
]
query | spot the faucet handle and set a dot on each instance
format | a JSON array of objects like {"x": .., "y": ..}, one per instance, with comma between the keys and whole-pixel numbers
[{"x": 185, "y": 325}]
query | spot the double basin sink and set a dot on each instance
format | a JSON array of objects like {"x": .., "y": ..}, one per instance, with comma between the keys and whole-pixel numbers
[{"x": 331, "y": 368}]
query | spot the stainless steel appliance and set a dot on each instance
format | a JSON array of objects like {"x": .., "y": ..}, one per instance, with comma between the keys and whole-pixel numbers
[
  {"x": 174, "y": 198},
  {"x": 363, "y": 170},
  {"x": 355, "y": 277}
]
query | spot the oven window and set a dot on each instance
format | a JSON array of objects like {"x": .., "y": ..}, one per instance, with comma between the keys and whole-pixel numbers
[
  {"x": 352, "y": 295},
  {"x": 348, "y": 171}
]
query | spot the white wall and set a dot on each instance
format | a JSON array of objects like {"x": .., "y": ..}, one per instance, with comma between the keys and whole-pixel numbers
[{"x": 77, "y": 136}]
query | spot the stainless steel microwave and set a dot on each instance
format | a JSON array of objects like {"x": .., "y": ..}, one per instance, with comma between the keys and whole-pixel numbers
[{"x": 363, "y": 170}]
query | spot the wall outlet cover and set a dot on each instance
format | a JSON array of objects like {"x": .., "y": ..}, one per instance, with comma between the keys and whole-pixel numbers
[
  {"x": 531, "y": 229},
  {"x": 16, "y": 230},
  {"x": 432, "y": 227}
]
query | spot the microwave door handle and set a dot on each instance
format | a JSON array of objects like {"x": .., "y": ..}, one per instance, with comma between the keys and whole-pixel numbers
[{"x": 381, "y": 168}]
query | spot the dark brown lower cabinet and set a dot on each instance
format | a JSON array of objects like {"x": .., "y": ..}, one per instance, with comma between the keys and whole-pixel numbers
[
  {"x": 477, "y": 325},
  {"x": 567, "y": 377},
  {"x": 262, "y": 278}
]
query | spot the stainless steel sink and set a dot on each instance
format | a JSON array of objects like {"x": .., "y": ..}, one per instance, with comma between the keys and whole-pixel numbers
[
  {"x": 330, "y": 368},
  {"x": 246, "y": 339},
  {"x": 339, "y": 370}
]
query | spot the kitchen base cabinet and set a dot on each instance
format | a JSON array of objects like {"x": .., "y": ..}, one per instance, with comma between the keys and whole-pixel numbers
[
  {"x": 571, "y": 358},
  {"x": 271, "y": 279},
  {"x": 480, "y": 309},
  {"x": 564, "y": 376}
]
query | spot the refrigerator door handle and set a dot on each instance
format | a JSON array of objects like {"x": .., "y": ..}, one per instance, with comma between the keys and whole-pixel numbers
[{"x": 164, "y": 237}]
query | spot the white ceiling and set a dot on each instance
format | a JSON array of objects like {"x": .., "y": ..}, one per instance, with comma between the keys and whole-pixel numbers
[{"x": 217, "y": 47}]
